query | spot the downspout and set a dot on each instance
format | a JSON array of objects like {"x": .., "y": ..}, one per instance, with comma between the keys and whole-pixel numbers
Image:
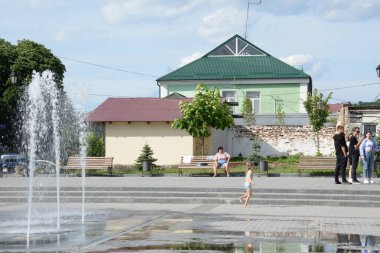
[
  {"x": 159, "y": 89},
  {"x": 310, "y": 86}
]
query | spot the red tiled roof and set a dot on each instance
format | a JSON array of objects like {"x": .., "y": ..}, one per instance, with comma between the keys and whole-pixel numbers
[
  {"x": 336, "y": 107},
  {"x": 137, "y": 109}
]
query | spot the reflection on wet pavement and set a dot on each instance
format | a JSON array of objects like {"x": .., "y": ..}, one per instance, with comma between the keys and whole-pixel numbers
[
  {"x": 176, "y": 234},
  {"x": 122, "y": 231}
]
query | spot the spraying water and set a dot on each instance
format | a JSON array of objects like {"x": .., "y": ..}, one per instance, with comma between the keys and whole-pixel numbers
[
  {"x": 83, "y": 151},
  {"x": 51, "y": 87},
  {"x": 79, "y": 95},
  {"x": 42, "y": 130},
  {"x": 35, "y": 106},
  {"x": 52, "y": 129}
]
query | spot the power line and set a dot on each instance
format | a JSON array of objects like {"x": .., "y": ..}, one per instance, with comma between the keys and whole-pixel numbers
[
  {"x": 192, "y": 82},
  {"x": 105, "y": 95},
  {"x": 109, "y": 68},
  {"x": 352, "y": 86},
  {"x": 330, "y": 89}
]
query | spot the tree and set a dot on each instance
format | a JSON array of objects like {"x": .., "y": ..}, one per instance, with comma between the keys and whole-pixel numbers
[
  {"x": 255, "y": 156},
  {"x": 22, "y": 59},
  {"x": 247, "y": 112},
  {"x": 249, "y": 119},
  {"x": 204, "y": 112},
  {"x": 146, "y": 155},
  {"x": 377, "y": 139},
  {"x": 317, "y": 109},
  {"x": 280, "y": 114},
  {"x": 95, "y": 145}
]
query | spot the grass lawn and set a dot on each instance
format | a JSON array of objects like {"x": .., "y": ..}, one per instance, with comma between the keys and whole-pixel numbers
[{"x": 276, "y": 165}]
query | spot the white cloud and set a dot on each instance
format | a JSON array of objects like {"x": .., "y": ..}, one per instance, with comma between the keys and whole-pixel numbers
[
  {"x": 330, "y": 10},
  {"x": 339, "y": 10},
  {"x": 297, "y": 59},
  {"x": 307, "y": 62},
  {"x": 187, "y": 59},
  {"x": 120, "y": 11},
  {"x": 221, "y": 24}
]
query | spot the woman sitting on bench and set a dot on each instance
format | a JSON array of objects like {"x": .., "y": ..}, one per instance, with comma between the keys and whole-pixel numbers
[{"x": 221, "y": 160}]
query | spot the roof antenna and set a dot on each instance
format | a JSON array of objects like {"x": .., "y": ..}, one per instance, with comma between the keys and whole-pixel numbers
[{"x": 246, "y": 20}]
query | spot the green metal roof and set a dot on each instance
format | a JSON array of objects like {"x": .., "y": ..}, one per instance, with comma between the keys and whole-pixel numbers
[{"x": 216, "y": 66}]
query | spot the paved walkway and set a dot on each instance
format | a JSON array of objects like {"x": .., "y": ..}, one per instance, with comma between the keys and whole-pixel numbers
[
  {"x": 132, "y": 226},
  {"x": 218, "y": 182}
]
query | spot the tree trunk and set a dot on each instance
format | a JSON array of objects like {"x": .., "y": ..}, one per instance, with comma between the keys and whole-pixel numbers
[
  {"x": 318, "y": 147},
  {"x": 203, "y": 145}
]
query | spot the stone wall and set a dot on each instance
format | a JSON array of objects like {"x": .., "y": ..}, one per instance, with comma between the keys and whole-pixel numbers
[{"x": 284, "y": 140}]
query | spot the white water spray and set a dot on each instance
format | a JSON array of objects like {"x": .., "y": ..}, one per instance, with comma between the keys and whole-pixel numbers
[
  {"x": 34, "y": 105},
  {"x": 42, "y": 98},
  {"x": 83, "y": 151},
  {"x": 79, "y": 95},
  {"x": 51, "y": 88}
]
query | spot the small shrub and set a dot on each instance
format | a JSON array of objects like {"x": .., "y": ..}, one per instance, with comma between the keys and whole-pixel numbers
[
  {"x": 146, "y": 155},
  {"x": 95, "y": 146}
]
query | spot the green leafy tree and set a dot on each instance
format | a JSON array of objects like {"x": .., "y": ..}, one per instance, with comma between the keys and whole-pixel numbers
[
  {"x": 204, "y": 112},
  {"x": 247, "y": 112},
  {"x": 280, "y": 115},
  {"x": 22, "y": 59},
  {"x": 249, "y": 119},
  {"x": 146, "y": 155},
  {"x": 95, "y": 145},
  {"x": 317, "y": 108},
  {"x": 377, "y": 139},
  {"x": 255, "y": 156}
]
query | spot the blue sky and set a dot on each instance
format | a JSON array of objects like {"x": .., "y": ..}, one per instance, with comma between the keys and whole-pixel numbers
[{"x": 335, "y": 41}]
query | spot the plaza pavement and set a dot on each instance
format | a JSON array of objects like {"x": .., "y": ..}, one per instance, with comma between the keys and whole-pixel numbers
[
  {"x": 183, "y": 182},
  {"x": 163, "y": 223}
]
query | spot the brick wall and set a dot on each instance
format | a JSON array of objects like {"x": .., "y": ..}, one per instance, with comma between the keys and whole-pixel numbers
[{"x": 286, "y": 140}]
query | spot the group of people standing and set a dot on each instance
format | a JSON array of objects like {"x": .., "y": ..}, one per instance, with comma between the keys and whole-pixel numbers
[{"x": 363, "y": 149}]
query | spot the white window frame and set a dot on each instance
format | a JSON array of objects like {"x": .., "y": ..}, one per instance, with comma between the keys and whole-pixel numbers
[
  {"x": 255, "y": 100},
  {"x": 230, "y": 99}
]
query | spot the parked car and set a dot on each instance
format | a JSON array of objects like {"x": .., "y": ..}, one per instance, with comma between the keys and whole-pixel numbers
[{"x": 10, "y": 161}]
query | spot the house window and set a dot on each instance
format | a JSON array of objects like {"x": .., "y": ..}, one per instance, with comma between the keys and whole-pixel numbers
[
  {"x": 278, "y": 104},
  {"x": 255, "y": 98},
  {"x": 229, "y": 96},
  {"x": 370, "y": 127}
]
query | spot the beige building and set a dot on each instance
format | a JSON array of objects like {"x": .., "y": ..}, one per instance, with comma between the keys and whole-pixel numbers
[
  {"x": 130, "y": 123},
  {"x": 366, "y": 117}
]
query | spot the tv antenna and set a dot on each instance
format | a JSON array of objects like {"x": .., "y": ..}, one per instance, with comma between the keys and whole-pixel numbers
[{"x": 246, "y": 20}]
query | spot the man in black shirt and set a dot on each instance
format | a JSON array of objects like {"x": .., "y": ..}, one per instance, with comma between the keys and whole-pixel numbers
[
  {"x": 341, "y": 154},
  {"x": 353, "y": 151}
]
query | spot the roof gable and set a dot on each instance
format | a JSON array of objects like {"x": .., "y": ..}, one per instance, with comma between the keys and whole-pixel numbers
[
  {"x": 175, "y": 95},
  {"x": 236, "y": 46},
  {"x": 235, "y": 58}
]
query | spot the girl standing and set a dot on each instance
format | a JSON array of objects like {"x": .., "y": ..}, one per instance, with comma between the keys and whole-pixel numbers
[
  {"x": 367, "y": 149},
  {"x": 247, "y": 184}
]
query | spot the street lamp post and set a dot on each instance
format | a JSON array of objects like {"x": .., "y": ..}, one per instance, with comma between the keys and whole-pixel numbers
[
  {"x": 378, "y": 70},
  {"x": 13, "y": 78}
]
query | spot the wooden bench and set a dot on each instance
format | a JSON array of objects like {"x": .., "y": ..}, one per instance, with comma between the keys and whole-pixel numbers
[
  {"x": 316, "y": 163},
  {"x": 94, "y": 163},
  {"x": 197, "y": 162}
]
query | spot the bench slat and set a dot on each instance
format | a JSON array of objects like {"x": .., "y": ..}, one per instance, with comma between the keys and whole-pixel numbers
[
  {"x": 316, "y": 163},
  {"x": 89, "y": 162},
  {"x": 195, "y": 160}
]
